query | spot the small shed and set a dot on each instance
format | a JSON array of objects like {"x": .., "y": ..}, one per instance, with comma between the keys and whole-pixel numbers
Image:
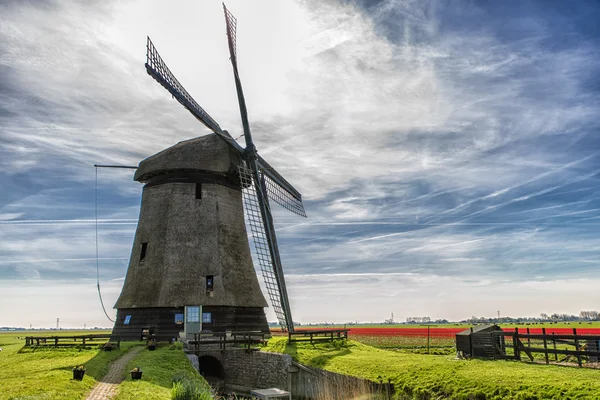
[{"x": 481, "y": 342}]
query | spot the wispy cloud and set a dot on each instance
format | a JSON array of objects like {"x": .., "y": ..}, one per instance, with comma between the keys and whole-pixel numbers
[{"x": 436, "y": 145}]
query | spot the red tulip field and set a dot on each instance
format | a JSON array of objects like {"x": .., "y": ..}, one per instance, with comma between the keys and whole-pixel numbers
[
  {"x": 405, "y": 337},
  {"x": 438, "y": 336},
  {"x": 422, "y": 336}
]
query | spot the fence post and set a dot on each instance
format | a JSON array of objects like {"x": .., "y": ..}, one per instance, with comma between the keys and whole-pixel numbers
[
  {"x": 554, "y": 342},
  {"x": 428, "y": 338},
  {"x": 528, "y": 339},
  {"x": 545, "y": 345},
  {"x": 471, "y": 343},
  {"x": 517, "y": 351},
  {"x": 577, "y": 346}
]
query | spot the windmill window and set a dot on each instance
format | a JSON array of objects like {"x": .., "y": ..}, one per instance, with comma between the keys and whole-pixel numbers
[
  {"x": 127, "y": 319},
  {"x": 210, "y": 282},
  {"x": 179, "y": 319},
  {"x": 198, "y": 191},
  {"x": 143, "y": 252},
  {"x": 206, "y": 317}
]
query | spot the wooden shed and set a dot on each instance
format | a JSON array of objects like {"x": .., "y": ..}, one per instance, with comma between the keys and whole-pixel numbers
[{"x": 480, "y": 342}]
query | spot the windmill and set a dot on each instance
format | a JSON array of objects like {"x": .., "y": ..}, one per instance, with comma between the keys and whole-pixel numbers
[{"x": 191, "y": 253}]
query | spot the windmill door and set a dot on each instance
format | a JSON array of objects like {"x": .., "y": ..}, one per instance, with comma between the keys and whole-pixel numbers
[{"x": 193, "y": 323}]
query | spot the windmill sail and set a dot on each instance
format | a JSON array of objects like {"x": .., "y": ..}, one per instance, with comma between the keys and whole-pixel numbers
[
  {"x": 266, "y": 251},
  {"x": 280, "y": 191},
  {"x": 157, "y": 68},
  {"x": 262, "y": 179}
]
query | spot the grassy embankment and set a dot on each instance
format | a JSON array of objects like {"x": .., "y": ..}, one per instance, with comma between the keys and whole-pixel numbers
[
  {"x": 440, "y": 377},
  {"x": 46, "y": 373},
  {"x": 160, "y": 368}
]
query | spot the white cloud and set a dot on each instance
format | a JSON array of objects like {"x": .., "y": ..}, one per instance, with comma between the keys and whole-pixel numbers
[{"x": 427, "y": 152}]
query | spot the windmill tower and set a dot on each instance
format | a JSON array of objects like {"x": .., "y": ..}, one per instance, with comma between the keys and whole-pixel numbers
[{"x": 191, "y": 268}]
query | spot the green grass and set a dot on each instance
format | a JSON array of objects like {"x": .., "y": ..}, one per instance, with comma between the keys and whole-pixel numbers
[
  {"x": 46, "y": 373},
  {"x": 419, "y": 376},
  {"x": 160, "y": 367}
]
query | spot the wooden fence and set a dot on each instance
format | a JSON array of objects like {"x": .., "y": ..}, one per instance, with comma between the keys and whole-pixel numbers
[
  {"x": 69, "y": 341},
  {"x": 222, "y": 340},
  {"x": 512, "y": 345},
  {"x": 317, "y": 335}
]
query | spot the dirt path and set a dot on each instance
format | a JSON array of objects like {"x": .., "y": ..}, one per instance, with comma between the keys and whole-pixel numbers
[{"x": 108, "y": 386}]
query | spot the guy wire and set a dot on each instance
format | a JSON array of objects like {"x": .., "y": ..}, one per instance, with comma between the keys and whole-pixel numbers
[{"x": 97, "y": 253}]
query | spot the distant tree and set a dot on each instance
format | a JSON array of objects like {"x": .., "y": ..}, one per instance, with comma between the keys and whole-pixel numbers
[{"x": 588, "y": 315}]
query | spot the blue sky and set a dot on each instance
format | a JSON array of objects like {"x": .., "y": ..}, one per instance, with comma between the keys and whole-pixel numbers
[{"x": 448, "y": 152}]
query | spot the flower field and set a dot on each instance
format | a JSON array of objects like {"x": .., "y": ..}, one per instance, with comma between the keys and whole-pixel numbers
[
  {"x": 438, "y": 336},
  {"x": 405, "y": 337},
  {"x": 419, "y": 337}
]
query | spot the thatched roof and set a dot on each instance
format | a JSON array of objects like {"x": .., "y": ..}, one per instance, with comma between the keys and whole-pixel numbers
[{"x": 205, "y": 153}]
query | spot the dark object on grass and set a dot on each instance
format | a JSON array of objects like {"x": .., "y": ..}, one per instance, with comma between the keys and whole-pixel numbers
[
  {"x": 78, "y": 372},
  {"x": 151, "y": 344},
  {"x": 136, "y": 373}
]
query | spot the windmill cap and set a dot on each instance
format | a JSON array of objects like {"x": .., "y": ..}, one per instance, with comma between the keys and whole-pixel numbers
[{"x": 204, "y": 153}]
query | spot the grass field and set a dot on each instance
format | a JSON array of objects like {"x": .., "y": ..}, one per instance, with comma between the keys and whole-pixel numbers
[
  {"x": 46, "y": 373},
  {"x": 442, "y": 376}
]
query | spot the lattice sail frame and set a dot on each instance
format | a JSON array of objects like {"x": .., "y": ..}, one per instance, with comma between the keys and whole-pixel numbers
[
  {"x": 281, "y": 196},
  {"x": 157, "y": 68},
  {"x": 231, "y": 25},
  {"x": 261, "y": 244}
]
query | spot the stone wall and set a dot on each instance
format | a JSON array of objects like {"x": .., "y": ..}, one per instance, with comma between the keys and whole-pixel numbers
[
  {"x": 245, "y": 371},
  {"x": 252, "y": 370},
  {"x": 257, "y": 369}
]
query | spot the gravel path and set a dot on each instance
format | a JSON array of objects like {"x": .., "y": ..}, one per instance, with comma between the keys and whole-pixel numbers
[{"x": 108, "y": 386}]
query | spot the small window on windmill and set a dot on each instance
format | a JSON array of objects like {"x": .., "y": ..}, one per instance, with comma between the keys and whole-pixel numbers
[
  {"x": 206, "y": 318},
  {"x": 210, "y": 282},
  {"x": 198, "y": 191},
  {"x": 143, "y": 252},
  {"x": 127, "y": 319},
  {"x": 179, "y": 319}
]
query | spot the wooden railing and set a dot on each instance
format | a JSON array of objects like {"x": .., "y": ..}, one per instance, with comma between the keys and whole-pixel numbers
[
  {"x": 581, "y": 346},
  {"x": 247, "y": 339},
  {"x": 75, "y": 340},
  {"x": 317, "y": 335}
]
